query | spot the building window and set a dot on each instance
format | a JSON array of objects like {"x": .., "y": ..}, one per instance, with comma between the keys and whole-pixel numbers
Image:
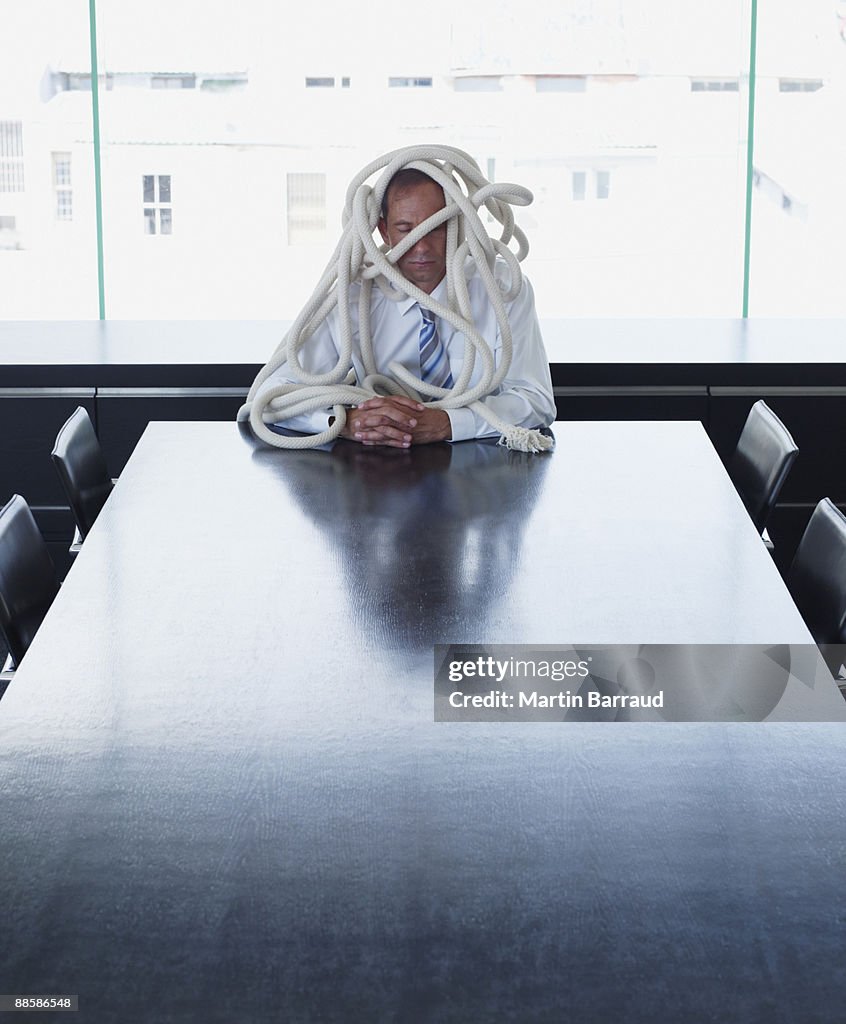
[
  {"x": 11, "y": 156},
  {"x": 173, "y": 82},
  {"x": 409, "y": 83},
  {"x": 62, "y": 190},
  {"x": 224, "y": 81},
  {"x": 306, "y": 208},
  {"x": 219, "y": 81},
  {"x": 561, "y": 83},
  {"x": 79, "y": 81},
  {"x": 799, "y": 84},
  {"x": 158, "y": 211},
  {"x": 590, "y": 185},
  {"x": 326, "y": 82},
  {"x": 714, "y": 85},
  {"x": 478, "y": 83},
  {"x": 8, "y": 233}
]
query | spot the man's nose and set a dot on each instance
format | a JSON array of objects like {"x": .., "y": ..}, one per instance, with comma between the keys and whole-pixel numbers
[{"x": 422, "y": 245}]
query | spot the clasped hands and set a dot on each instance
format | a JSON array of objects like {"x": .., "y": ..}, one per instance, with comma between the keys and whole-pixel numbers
[{"x": 396, "y": 421}]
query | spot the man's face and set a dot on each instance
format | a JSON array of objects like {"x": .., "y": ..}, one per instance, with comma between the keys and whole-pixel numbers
[{"x": 425, "y": 263}]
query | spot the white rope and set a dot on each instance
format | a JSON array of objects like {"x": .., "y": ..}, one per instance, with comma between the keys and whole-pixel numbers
[{"x": 358, "y": 258}]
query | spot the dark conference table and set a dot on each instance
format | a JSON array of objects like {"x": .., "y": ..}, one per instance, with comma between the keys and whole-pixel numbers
[{"x": 224, "y": 798}]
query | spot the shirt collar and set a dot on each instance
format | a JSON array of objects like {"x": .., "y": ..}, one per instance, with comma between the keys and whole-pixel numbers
[{"x": 439, "y": 294}]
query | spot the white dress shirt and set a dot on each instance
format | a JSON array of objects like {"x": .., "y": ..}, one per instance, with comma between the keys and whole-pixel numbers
[{"x": 524, "y": 398}]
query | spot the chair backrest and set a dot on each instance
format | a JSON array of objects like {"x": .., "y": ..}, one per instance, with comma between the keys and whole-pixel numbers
[
  {"x": 817, "y": 577},
  {"x": 28, "y": 581},
  {"x": 79, "y": 462},
  {"x": 760, "y": 464}
]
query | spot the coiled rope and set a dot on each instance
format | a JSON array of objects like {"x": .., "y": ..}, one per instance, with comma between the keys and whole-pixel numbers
[{"x": 358, "y": 258}]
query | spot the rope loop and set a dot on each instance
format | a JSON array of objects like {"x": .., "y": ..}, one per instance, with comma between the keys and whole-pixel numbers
[{"x": 359, "y": 258}]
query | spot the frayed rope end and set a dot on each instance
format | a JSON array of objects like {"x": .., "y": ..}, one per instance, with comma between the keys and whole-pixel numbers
[{"x": 521, "y": 439}]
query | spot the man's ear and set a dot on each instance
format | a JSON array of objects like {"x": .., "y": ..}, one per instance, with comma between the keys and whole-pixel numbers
[{"x": 383, "y": 230}]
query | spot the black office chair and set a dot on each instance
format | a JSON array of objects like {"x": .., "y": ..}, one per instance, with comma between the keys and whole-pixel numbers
[
  {"x": 817, "y": 581},
  {"x": 79, "y": 462},
  {"x": 28, "y": 581},
  {"x": 760, "y": 464}
]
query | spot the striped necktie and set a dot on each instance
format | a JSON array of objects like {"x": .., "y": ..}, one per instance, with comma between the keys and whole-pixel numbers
[{"x": 434, "y": 362}]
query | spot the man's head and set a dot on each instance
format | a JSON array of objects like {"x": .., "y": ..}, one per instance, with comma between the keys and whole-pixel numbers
[{"x": 410, "y": 198}]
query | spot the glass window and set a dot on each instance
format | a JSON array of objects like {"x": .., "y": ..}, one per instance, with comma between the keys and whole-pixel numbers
[
  {"x": 798, "y": 214},
  {"x": 9, "y": 233},
  {"x": 714, "y": 85},
  {"x": 173, "y": 81},
  {"x": 48, "y": 264},
  {"x": 306, "y": 208},
  {"x": 799, "y": 84},
  {"x": 61, "y": 169},
  {"x": 158, "y": 219},
  {"x": 11, "y": 156},
  {"x": 597, "y": 104},
  {"x": 409, "y": 83},
  {"x": 561, "y": 99},
  {"x": 64, "y": 205},
  {"x": 79, "y": 82},
  {"x": 560, "y": 83},
  {"x": 63, "y": 192},
  {"x": 223, "y": 82},
  {"x": 478, "y": 83}
]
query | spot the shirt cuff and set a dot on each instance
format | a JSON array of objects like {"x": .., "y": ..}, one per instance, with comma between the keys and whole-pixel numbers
[{"x": 462, "y": 423}]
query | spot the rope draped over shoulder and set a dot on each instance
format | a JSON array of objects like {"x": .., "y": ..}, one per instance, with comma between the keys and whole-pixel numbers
[{"x": 358, "y": 258}]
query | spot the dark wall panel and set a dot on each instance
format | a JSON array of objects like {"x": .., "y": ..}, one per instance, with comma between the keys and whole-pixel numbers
[
  {"x": 122, "y": 418},
  {"x": 29, "y": 422},
  {"x": 622, "y": 405}
]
